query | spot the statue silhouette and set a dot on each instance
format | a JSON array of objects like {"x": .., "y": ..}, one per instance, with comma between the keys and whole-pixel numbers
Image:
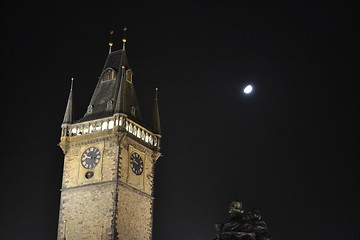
[{"x": 242, "y": 225}]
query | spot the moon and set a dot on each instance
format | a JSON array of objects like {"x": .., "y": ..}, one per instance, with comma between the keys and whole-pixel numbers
[{"x": 248, "y": 89}]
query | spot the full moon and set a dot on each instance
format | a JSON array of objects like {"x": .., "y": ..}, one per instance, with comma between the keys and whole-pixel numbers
[{"x": 248, "y": 89}]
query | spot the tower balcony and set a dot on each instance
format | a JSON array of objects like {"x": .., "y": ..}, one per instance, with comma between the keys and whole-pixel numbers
[{"x": 116, "y": 123}]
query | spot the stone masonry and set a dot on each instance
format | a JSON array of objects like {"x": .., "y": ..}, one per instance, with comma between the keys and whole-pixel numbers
[{"x": 115, "y": 203}]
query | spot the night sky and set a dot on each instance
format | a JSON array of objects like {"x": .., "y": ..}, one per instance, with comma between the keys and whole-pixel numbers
[{"x": 290, "y": 149}]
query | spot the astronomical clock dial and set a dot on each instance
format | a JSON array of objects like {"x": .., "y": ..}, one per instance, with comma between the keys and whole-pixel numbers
[
  {"x": 136, "y": 163},
  {"x": 90, "y": 158}
]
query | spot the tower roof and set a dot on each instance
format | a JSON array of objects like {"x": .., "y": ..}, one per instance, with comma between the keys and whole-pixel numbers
[
  {"x": 114, "y": 92},
  {"x": 68, "y": 116}
]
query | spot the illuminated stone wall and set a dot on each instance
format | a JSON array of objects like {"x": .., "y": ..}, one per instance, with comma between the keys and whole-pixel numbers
[
  {"x": 88, "y": 212},
  {"x": 134, "y": 218},
  {"x": 87, "y": 205},
  {"x": 115, "y": 203}
]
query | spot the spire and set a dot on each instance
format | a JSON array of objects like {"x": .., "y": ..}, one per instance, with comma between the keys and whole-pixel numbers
[
  {"x": 124, "y": 38},
  {"x": 156, "y": 115},
  {"x": 68, "y": 117},
  {"x": 110, "y": 42}
]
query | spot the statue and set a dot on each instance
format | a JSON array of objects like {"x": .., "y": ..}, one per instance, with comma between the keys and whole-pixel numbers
[{"x": 242, "y": 225}]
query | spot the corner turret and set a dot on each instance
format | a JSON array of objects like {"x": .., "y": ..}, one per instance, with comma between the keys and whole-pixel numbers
[
  {"x": 68, "y": 116},
  {"x": 156, "y": 116}
]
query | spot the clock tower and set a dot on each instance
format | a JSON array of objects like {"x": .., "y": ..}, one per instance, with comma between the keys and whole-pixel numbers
[{"x": 108, "y": 176}]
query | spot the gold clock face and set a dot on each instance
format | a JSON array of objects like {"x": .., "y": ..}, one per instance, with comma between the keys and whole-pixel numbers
[
  {"x": 90, "y": 158},
  {"x": 136, "y": 163}
]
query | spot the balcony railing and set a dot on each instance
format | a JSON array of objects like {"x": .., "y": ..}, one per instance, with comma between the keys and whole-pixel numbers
[{"x": 120, "y": 121}]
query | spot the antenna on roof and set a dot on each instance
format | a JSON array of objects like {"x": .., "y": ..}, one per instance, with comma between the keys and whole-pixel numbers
[
  {"x": 110, "y": 42},
  {"x": 124, "y": 37}
]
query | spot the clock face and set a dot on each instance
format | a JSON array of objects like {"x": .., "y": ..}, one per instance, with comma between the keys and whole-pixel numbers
[
  {"x": 136, "y": 163},
  {"x": 90, "y": 158}
]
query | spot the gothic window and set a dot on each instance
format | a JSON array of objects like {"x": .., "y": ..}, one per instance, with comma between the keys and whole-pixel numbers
[{"x": 108, "y": 74}]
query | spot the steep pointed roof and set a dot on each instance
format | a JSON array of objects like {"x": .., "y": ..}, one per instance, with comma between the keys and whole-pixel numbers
[
  {"x": 68, "y": 116},
  {"x": 156, "y": 115},
  {"x": 114, "y": 92}
]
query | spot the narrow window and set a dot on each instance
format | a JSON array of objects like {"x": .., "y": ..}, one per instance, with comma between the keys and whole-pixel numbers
[
  {"x": 133, "y": 110},
  {"x": 108, "y": 74},
  {"x": 109, "y": 104},
  {"x": 90, "y": 109},
  {"x": 129, "y": 74}
]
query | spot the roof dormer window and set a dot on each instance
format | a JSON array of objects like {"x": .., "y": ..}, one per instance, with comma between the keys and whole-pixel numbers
[
  {"x": 109, "y": 104},
  {"x": 108, "y": 74},
  {"x": 90, "y": 108},
  {"x": 129, "y": 74},
  {"x": 133, "y": 110}
]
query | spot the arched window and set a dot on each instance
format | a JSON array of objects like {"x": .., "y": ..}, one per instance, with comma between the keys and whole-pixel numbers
[{"x": 108, "y": 74}]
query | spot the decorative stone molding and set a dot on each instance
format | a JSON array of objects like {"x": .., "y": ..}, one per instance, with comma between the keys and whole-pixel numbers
[{"x": 109, "y": 125}]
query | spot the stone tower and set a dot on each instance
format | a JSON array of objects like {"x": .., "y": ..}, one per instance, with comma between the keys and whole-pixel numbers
[{"x": 107, "y": 188}]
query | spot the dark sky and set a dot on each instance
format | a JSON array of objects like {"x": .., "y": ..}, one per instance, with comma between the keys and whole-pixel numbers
[{"x": 291, "y": 149}]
